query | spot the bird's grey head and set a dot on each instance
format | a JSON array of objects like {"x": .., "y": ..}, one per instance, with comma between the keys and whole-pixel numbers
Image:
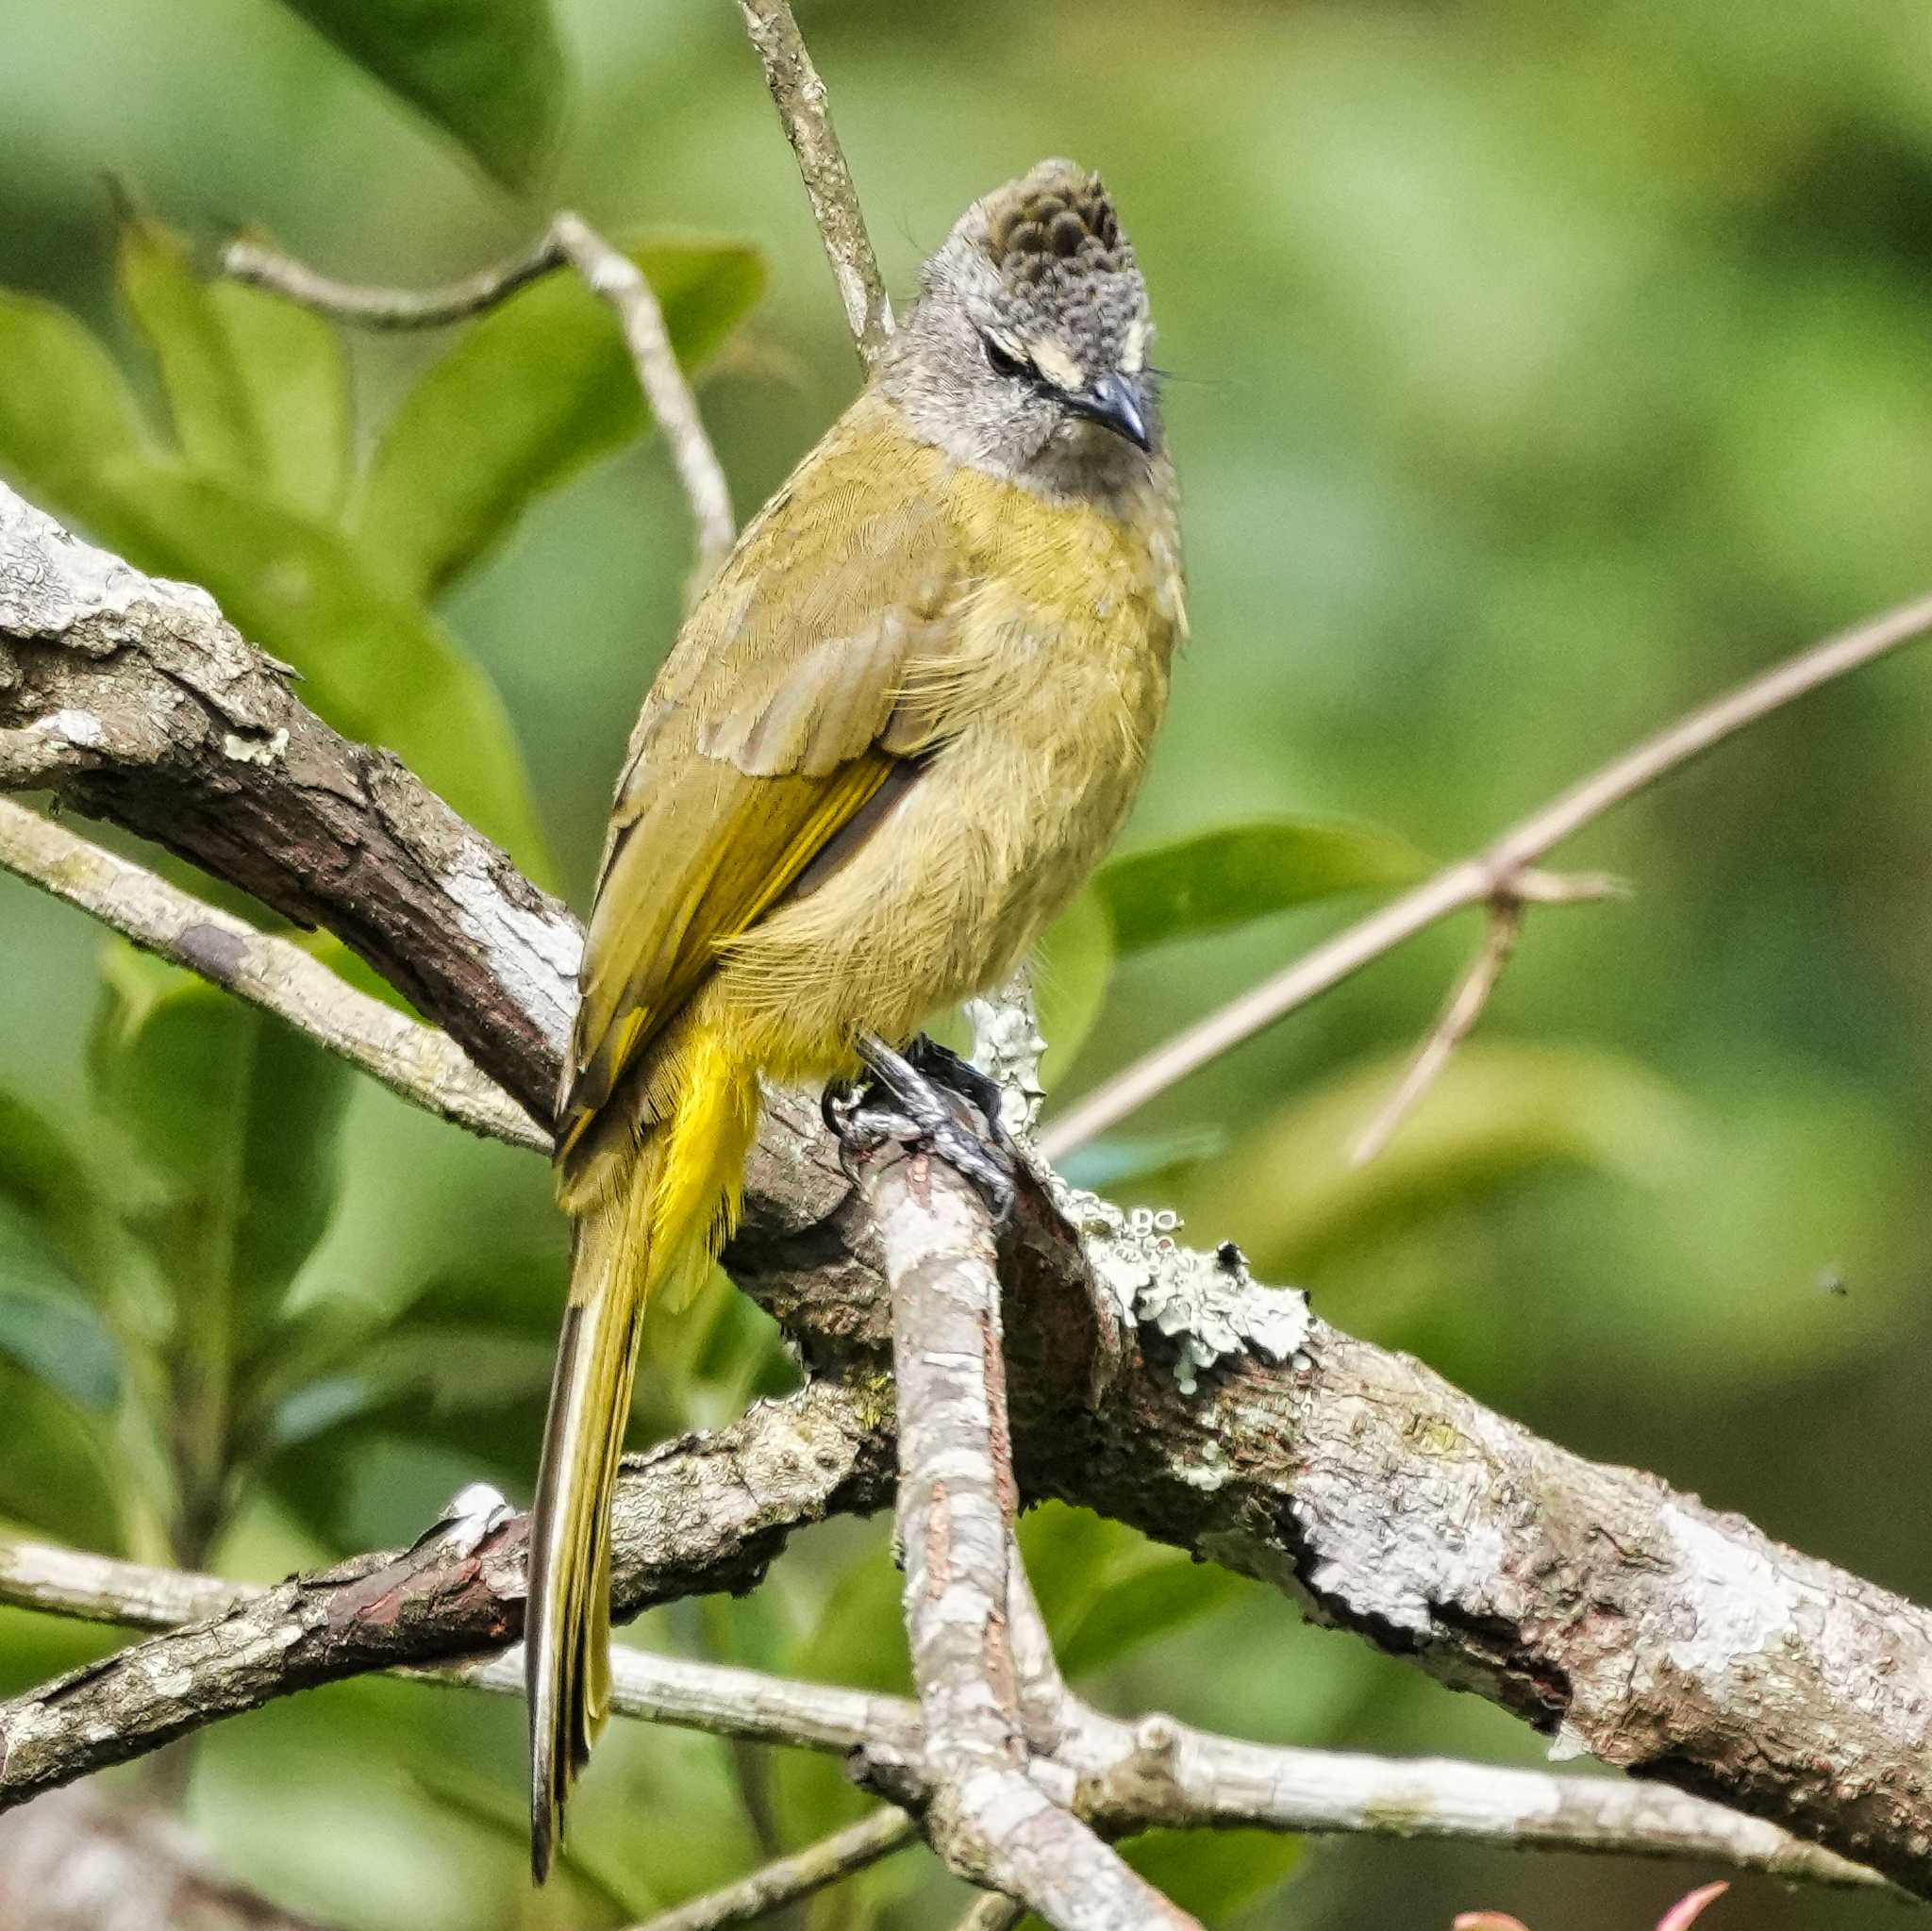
[{"x": 1025, "y": 354}]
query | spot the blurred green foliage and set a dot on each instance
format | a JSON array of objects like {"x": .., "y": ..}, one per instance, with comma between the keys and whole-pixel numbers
[{"x": 1541, "y": 367}]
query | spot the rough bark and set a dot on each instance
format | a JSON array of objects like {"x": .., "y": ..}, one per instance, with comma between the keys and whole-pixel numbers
[{"x": 1672, "y": 1639}]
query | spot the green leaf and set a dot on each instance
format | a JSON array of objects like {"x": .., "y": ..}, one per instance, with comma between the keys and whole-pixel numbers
[
  {"x": 1213, "y": 1874},
  {"x": 373, "y": 661},
  {"x": 59, "y": 1341},
  {"x": 527, "y": 396},
  {"x": 54, "y": 1475},
  {"x": 209, "y": 402},
  {"x": 65, "y": 407},
  {"x": 1167, "y": 1593},
  {"x": 488, "y": 72},
  {"x": 1072, "y": 966},
  {"x": 295, "y": 376},
  {"x": 1210, "y": 1873},
  {"x": 237, "y": 1118},
  {"x": 50, "y": 1186},
  {"x": 1211, "y": 880}
]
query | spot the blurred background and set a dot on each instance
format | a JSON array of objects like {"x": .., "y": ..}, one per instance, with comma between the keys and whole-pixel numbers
[{"x": 1539, "y": 368}]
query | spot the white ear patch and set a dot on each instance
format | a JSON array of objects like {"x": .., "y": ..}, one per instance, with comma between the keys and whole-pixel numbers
[
  {"x": 1134, "y": 350},
  {"x": 1059, "y": 368}
]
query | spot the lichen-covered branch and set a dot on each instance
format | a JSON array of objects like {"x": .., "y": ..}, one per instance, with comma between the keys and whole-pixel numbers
[
  {"x": 1153, "y": 1772},
  {"x": 1711, "y": 1658},
  {"x": 702, "y": 1514},
  {"x": 985, "y": 1815}
]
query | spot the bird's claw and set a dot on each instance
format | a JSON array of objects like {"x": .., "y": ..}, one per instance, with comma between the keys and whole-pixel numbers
[{"x": 904, "y": 1099}]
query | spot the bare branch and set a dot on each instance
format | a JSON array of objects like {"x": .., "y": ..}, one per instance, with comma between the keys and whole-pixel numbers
[
  {"x": 609, "y": 273},
  {"x": 72, "y": 1862},
  {"x": 1494, "y": 870},
  {"x": 956, "y": 1498},
  {"x": 1466, "y": 1005},
  {"x": 1157, "y": 1771},
  {"x": 414, "y": 1060},
  {"x": 799, "y": 96},
  {"x": 785, "y": 1880},
  {"x": 992, "y": 1913}
]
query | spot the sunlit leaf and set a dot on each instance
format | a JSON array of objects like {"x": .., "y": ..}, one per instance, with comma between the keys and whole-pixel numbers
[
  {"x": 524, "y": 398},
  {"x": 1210, "y": 880},
  {"x": 210, "y": 404},
  {"x": 489, "y": 73},
  {"x": 373, "y": 661},
  {"x": 1072, "y": 966},
  {"x": 65, "y": 407},
  {"x": 294, "y": 367}
]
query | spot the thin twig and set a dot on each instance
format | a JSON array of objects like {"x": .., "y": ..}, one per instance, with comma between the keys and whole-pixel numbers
[
  {"x": 411, "y": 1059},
  {"x": 1498, "y": 869},
  {"x": 1465, "y": 1006},
  {"x": 1175, "y": 1775},
  {"x": 992, "y": 1913},
  {"x": 606, "y": 272},
  {"x": 799, "y": 96},
  {"x": 785, "y": 1880}
]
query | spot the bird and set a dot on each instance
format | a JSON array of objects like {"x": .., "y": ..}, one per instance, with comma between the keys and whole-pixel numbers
[{"x": 901, "y": 724}]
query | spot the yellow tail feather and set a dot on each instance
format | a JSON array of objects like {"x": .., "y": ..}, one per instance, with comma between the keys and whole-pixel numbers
[{"x": 661, "y": 1221}]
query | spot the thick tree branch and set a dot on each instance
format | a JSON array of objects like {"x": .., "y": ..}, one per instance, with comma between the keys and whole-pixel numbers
[
  {"x": 414, "y": 1060},
  {"x": 1710, "y": 1657},
  {"x": 176, "y": 728},
  {"x": 1156, "y": 1771},
  {"x": 985, "y": 1816},
  {"x": 705, "y": 1514}
]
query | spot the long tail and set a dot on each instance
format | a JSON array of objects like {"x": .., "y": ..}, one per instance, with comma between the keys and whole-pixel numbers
[{"x": 652, "y": 1230}]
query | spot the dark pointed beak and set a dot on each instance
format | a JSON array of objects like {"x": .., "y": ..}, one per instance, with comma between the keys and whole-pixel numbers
[{"x": 1115, "y": 402}]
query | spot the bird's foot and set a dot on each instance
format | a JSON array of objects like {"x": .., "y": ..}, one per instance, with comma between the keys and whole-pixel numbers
[
  {"x": 908, "y": 1099},
  {"x": 943, "y": 1067}
]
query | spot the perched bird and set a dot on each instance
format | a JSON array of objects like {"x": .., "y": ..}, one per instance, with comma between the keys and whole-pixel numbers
[{"x": 902, "y": 724}]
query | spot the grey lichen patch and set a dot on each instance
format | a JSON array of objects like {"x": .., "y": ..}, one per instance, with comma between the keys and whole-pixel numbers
[
  {"x": 1205, "y": 1309},
  {"x": 1008, "y": 1047},
  {"x": 262, "y": 751}
]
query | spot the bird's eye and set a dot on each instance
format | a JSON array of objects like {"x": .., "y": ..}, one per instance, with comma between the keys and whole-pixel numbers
[{"x": 1002, "y": 361}]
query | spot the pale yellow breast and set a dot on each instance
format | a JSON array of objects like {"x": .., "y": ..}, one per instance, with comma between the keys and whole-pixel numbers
[{"x": 1046, "y": 687}]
